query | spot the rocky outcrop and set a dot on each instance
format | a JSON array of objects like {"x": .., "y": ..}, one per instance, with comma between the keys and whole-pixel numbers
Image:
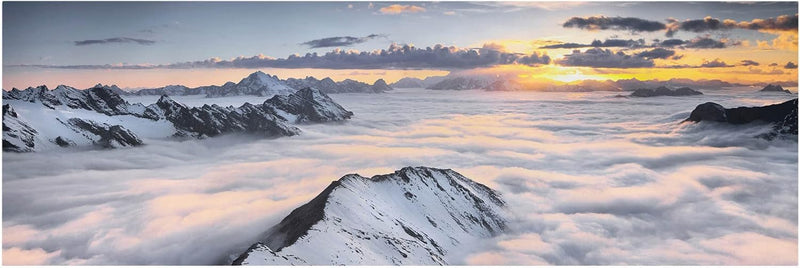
[
  {"x": 783, "y": 116},
  {"x": 414, "y": 216},
  {"x": 664, "y": 91},
  {"x": 774, "y": 88}
]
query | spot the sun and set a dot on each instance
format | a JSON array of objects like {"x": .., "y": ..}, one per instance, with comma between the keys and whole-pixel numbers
[{"x": 572, "y": 77}]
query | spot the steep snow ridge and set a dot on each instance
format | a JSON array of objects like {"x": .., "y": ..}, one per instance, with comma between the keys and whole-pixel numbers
[{"x": 416, "y": 215}]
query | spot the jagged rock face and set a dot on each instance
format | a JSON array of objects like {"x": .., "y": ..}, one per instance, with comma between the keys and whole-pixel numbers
[
  {"x": 460, "y": 83},
  {"x": 18, "y": 136},
  {"x": 783, "y": 116},
  {"x": 115, "y": 136},
  {"x": 213, "y": 120},
  {"x": 309, "y": 105},
  {"x": 774, "y": 88},
  {"x": 664, "y": 91},
  {"x": 414, "y": 216}
]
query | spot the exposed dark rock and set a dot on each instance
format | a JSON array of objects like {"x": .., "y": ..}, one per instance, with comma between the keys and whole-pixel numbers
[
  {"x": 664, "y": 91},
  {"x": 783, "y": 116},
  {"x": 213, "y": 120},
  {"x": 774, "y": 88},
  {"x": 63, "y": 142},
  {"x": 110, "y": 136}
]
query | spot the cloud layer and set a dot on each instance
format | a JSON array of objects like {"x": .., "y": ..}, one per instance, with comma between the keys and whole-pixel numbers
[
  {"x": 394, "y": 57},
  {"x": 617, "y": 181}
]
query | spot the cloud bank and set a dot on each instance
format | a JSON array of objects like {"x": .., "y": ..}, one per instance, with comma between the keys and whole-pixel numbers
[{"x": 604, "y": 185}]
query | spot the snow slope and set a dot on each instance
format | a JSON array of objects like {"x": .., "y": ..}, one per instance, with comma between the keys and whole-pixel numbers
[{"x": 414, "y": 216}]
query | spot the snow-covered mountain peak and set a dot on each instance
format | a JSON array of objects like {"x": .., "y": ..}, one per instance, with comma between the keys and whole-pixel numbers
[{"x": 416, "y": 215}]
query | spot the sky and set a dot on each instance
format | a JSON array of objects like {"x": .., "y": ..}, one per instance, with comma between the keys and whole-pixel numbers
[{"x": 152, "y": 44}]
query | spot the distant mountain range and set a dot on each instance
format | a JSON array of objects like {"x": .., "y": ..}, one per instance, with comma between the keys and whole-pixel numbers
[
  {"x": 66, "y": 117},
  {"x": 265, "y": 85},
  {"x": 509, "y": 83},
  {"x": 414, "y": 216}
]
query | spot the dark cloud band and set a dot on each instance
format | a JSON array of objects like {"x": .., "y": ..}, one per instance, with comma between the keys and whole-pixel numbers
[
  {"x": 114, "y": 40},
  {"x": 614, "y": 23},
  {"x": 339, "y": 41}
]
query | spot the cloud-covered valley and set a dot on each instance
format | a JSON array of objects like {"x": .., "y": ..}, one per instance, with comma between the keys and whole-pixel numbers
[{"x": 591, "y": 179}]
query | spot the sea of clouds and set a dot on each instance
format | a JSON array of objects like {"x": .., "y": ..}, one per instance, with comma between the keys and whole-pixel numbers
[{"x": 589, "y": 178}]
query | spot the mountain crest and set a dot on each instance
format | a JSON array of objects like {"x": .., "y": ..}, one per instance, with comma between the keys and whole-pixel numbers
[{"x": 416, "y": 215}]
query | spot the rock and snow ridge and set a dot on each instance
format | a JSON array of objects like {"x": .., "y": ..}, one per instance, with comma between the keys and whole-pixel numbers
[
  {"x": 414, "y": 216},
  {"x": 265, "y": 85},
  {"x": 98, "y": 116}
]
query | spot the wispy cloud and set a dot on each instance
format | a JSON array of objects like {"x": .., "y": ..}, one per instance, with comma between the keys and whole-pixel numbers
[
  {"x": 340, "y": 41},
  {"x": 398, "y": 9},
  {"x": 114, "y": 40}
]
